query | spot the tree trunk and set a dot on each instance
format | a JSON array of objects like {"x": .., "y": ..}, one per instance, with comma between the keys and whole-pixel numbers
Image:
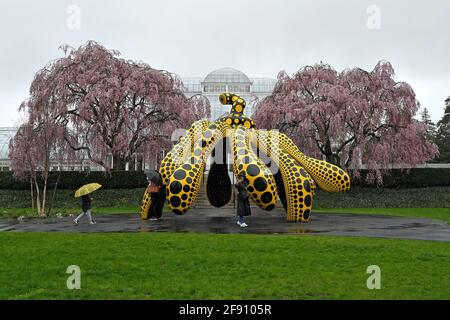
[
  {"x": 140, "y": 163},
  {"x": 44, "y": 195},
  {"x": 32, "y": 196},
  {"x": 38, "y": 200},
  {"x": 132, "y": 164},
  {"x": 54, "y": 193},
  {"x": 118, "y": 164},
  {"x": 333, "y": 158}
]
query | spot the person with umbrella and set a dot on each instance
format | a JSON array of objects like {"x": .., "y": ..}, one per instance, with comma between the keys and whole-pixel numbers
[
  {"x": 243, "y": 204},
  {"x": 86, "y": 200}
]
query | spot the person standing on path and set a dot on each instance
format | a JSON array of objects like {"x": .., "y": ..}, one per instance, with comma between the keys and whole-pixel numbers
[
  {"x": 157, "y": 195},
  {"x": 243, "y": 204}
]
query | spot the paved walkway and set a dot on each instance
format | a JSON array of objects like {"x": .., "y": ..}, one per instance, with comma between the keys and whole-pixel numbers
[{"x": 261, "y": 222}]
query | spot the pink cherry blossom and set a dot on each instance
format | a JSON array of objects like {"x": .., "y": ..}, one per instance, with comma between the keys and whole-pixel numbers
[
  {"x": 109, "y": 105},
  {"x": 351, "y": 118}
]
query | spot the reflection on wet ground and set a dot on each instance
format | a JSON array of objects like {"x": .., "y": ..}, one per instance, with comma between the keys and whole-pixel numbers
[{"x": 261, "y": 222}]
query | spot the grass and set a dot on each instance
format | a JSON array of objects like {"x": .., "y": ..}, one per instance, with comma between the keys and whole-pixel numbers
[
  {"x": 211, "y": 266},
  {"x": 432, "y": 213}
]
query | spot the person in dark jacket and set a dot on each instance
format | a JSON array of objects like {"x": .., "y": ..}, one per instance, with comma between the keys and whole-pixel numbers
[
  {"x": 243, "y": 204},
  {"x": 158, "y": 197},
  {"x": 86, "y": 207}
]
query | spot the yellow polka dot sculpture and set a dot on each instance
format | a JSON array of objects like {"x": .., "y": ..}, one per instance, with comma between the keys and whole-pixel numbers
[{"x": 288, "y": 174}]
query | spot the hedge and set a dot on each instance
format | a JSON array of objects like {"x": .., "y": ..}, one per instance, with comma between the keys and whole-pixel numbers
[
  {"x": 396, "y": 178},
  {"x": 415, "y": 178},
  {"x": 74, "y": 179},
  {"x": 357, "y": 197},
  {"x": 431, "y": 197}
]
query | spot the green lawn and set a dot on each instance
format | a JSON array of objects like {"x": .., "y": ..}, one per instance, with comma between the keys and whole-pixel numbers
[
  {"x": 211, "y": 266},
  {"x": 432, "y": 213}
]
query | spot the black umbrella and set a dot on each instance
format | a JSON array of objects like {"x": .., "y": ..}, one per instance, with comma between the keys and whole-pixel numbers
[{"x": 153, "y": 176}]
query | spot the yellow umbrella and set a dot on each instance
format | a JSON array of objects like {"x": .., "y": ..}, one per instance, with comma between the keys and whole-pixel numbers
[{"x": 87, "y": 188}]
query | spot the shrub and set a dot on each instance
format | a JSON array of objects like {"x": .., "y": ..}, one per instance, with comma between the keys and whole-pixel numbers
[
  {"x": 415, "y": 178},
  {"x": 73, "y": 180}
]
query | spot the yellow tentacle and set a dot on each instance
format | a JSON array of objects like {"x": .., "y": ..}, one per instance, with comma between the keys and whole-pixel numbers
[
  {"x": 261, "y": 183},
  {"x": 181, "y": 150},
  {"x": 185, "y": 181},
  {"x": 297, "y": 182},
  {"x": 145, "y": 205},
  {"x": 328, "y": 176}
]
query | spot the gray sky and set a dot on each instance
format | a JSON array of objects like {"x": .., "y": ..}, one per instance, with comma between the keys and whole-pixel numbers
[{"x": 258, "y": 37}]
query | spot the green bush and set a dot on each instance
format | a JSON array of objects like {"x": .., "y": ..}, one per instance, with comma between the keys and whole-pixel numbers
[
  {"x": 415, "y": 178},
  {"x": 65, "y": 198},
  {"x": 73, "y": 180},
  {"x": 357, "y": 197}
]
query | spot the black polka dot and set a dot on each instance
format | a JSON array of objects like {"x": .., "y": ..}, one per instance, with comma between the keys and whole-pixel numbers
[
  {"x": 253, "y": 170},
  {"x": 242, "y": 152},
  {"x": 308, "y": 200},
  {"x": 175, "y": 187},
  {"x": 175, "y": 201},
  {"x": 260, "y": 184},
  {"x": 303, "y": 173},
  {"x": 179, "y": 174},
  {"x": 307, "y": 186},
  {"x": 306, "y": 214},
  {"x": 266, "y": 197}
]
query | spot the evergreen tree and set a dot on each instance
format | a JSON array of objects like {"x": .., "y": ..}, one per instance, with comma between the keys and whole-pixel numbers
[
  {"x": 430, "y": 132},
  {"x": 443, "y": 134}
]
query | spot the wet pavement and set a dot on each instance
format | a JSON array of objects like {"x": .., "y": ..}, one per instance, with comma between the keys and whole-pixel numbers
[{"x": 261, "y": 222}]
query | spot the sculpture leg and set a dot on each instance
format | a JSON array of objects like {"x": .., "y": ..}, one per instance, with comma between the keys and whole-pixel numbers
[
  {"x": 328, "y": 176},
  {"x": 184, "y": 183},
  {"x": 182, "y": 150},
  {"x": 173, "y": 159},
  {"x": 297, "y": 182},
  {"x": 145, "y": 205},
  {"x": 260, "y": 181}
]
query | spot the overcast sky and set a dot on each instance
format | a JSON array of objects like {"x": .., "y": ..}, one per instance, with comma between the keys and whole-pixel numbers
[{"x": 258, "y": 37}]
